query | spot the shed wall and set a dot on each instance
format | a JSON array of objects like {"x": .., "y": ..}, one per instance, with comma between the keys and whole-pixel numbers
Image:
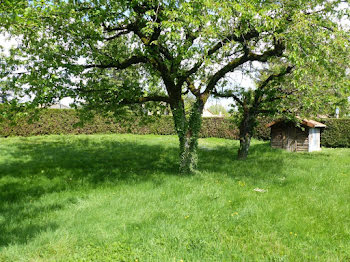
[
  {"x": 315, "y": 139},
  {"x": 289, "y": 137},
  {"x": 302, "y": 139}
]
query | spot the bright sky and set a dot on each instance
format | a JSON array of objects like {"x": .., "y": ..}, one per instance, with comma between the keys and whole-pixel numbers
[{"x": 7, "y": 42}]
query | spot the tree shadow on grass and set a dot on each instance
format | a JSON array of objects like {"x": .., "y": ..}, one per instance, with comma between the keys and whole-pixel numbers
[
  {"x": 16, "y": 225},
  {"x": 83, "y": 162},
  {"x": 264, "y": 165},
  {"x": 263, "y": 162},
  {"x": 37, "y": 168}
]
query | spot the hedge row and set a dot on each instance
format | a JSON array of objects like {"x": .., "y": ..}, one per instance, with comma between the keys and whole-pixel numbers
[
  {"x": 337, "y": 133},
  {"x": 60, "y": 121}
]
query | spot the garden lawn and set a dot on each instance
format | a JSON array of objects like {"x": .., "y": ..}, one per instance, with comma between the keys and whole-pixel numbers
[{"x": 120, "y": 198}]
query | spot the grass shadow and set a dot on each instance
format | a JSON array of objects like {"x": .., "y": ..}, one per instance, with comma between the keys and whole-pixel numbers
[
  {"x": 66, "y": 164},
  {"x": 37, "y": 168},
  {"x": 22, "y": 221},
  {"x": 262, "y": 163}
]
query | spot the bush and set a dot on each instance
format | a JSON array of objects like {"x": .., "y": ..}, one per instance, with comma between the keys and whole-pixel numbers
[{"x": 337, "y": 133}]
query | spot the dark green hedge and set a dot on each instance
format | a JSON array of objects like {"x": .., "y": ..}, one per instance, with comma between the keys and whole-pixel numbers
[
  {"x": 337, "y": 133},
  {"x": 60, "y": 121}
]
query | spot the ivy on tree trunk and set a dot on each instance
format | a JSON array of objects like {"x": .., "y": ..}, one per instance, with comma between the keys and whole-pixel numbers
[
  {"x": 246, "y": 130},
  {"x": 188, "y": 131}
]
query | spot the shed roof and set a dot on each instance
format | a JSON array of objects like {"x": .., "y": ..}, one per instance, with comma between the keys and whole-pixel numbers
[{"x": 305, "y": 122}]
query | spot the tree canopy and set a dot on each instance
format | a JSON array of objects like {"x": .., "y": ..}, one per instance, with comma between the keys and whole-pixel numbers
[{"x": 112, "y": 54}]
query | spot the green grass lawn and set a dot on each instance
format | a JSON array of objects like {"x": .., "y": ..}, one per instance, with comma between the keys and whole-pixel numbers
[{"x": 119, "y": 198}]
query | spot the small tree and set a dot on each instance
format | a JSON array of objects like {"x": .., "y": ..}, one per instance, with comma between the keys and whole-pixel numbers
[
  {"x": 218, "y": 109},
  {"x": 287, "y": 93},
  {"x": 76, "y": 48}
]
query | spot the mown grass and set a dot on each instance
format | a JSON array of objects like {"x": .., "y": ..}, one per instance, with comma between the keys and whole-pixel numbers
[{"x": 120, "y": 198}]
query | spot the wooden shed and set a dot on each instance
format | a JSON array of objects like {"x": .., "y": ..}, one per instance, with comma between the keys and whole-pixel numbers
[{"x": 288, "y": 135}]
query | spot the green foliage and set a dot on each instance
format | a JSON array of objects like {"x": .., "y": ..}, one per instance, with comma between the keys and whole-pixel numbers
[
  {"x": 337, "y": 133},
  {"x": 189, "y": 101},
  {"x": 217, "y": 109},
  {"x": 261, "y": 131},
  {"x": 119, "y": 198}
]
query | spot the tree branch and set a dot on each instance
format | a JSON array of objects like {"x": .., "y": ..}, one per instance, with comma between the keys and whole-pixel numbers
[
  {"x": 140, "y": 100},
  {"x": 275, "y": 98},
  {"x": 279, "y": 47},
  {"x": 158, "y": 52},
  {"x": 223, "y": 71},
  {"x": 228, "y": 94},
  {"x": 284, "y": 72},
  {"x": 195, "y": 91},
  {"x": 258, "y": 94},
  {"x": 123, "y": 65},
  {"x": 116, "y": 35},
  {"x": 116, "y": 28},
  {"x": 240, "y": 39},
  {"x": 277, "y": 51}
]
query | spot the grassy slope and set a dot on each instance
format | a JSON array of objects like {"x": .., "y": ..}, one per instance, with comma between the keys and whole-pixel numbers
[{"x": 118, "y": 197}]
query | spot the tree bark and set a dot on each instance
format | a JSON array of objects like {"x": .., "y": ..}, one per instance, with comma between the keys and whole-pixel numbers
[
  {"x": 188, "y": 132},
  {"x": 246, "y": 130}
]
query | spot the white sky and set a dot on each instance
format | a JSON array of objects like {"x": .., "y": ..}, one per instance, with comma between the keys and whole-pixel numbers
[{"x": 7, "y": 42}]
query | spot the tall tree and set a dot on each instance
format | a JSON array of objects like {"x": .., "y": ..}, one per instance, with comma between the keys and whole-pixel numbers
[{"x": 75, "y": 48}]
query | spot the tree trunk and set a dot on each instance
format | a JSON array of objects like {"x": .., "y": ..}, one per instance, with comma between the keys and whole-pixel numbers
[
  {"x": 188, "y": 131},
  {"x": 244, "y": 144},
  {"x": 246, "y": 129}
]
